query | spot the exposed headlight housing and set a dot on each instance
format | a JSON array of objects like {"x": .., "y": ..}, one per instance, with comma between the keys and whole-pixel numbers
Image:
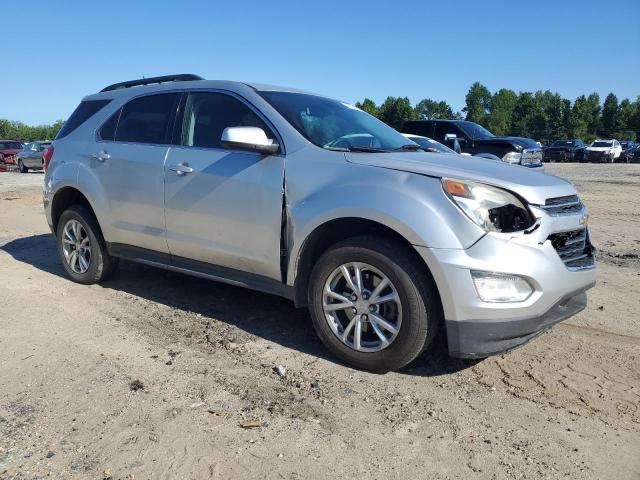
[
  {"x": 512, "y": 157},
  {"x": 495, "y": 287},
  {"x": 491, "y": 208}
]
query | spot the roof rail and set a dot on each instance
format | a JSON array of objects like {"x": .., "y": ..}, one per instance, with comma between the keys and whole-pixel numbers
[{"x": 183, "y": 77}]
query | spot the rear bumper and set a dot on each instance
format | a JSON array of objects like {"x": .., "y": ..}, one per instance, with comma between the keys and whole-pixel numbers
[{"x": 478, "y": 339}]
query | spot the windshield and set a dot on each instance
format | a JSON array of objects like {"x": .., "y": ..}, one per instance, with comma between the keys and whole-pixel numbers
[
  {"x": 431, "y": 145},
  {"x": 332, "y": 124},
  {"x": 562, "y": 143},
  {"x": 602, "y": 144},
  {"x": 475, "y": 131},
  {"x": 10, "y": 146}
]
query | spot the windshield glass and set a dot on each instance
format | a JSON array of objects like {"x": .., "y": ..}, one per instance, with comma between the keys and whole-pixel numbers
[
  {"x": 10, "y": 146},
  {"x": 330, "y": 124},
  {"x": 475, "y": 131},
  {"x": 562, "y": 143},
  {"x": 602, "y": 144},
  {"x": 431, "y": 145}
]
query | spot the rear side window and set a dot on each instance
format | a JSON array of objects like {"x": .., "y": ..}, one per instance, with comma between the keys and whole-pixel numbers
[
  {"x": 108, "y": 129},
  {"x": 85, "y": 110},
  {"x": 147, "y": 119}
]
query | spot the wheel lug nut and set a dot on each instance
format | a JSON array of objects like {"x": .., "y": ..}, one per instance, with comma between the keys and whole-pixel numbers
[
  {"x": 354, "y": 310},
  {"x": 372, "y": 308},
  {"x": 354, "y": 298},
  {"x": 364, "y": 317}
]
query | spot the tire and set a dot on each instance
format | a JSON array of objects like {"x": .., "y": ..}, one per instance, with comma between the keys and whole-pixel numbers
[
  {"x": 100, "y": 263},
  {"x": 21, "y": 166},
  {"x": 417, "y": 297}
]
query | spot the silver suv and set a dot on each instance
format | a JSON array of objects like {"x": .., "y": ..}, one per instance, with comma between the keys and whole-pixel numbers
[{"x": 310, "y": 198}]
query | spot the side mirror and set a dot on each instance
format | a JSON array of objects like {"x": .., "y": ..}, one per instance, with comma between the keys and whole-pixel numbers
[
  {"x": 250, "y": 139},
  {"x": 452, "y": 138}
]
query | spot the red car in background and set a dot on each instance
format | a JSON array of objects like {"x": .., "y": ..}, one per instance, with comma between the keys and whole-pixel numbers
[{"x": 8, "y": 151}]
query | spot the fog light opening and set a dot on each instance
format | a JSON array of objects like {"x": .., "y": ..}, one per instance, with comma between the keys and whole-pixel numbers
[{"x": 495, "y": 287}]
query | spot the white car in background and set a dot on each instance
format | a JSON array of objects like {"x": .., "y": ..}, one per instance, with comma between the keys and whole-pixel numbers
[{"x": 603, "y": 151}]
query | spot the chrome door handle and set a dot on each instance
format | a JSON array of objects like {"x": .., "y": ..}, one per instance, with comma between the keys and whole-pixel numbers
[
  {"x": 181, "y": 168},
  {"x": 102, "y": 156}
]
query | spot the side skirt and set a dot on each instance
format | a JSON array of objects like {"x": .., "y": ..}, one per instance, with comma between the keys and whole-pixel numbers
[{"x": 201, "y": 269}]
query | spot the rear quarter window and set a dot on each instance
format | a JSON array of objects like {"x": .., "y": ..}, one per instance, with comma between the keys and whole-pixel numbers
[{"x": 81, "y": 114}]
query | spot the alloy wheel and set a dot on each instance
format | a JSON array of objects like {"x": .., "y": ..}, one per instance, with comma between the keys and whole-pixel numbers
[
  {"x": 76, "y": 246},
  {"x": 362, "y": 307}
]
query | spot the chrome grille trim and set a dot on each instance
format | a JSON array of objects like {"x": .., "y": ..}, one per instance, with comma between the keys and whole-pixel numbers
[{"x": 568, "y": 205}]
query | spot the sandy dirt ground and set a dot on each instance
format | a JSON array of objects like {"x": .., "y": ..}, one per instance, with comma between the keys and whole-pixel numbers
[{"x": 157, "y": 375}]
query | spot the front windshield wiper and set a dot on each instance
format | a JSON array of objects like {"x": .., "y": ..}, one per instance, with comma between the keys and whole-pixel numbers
[
  {"x": 410, "y": 147},
  {"x": 355, "y": 148}
]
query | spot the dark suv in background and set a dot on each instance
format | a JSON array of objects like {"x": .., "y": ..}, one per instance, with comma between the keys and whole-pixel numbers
[
  {"x": 469, "y": 137},
  {"x": 565, "y": 151}
]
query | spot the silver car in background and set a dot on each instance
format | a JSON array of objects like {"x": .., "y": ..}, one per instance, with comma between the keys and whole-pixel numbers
[
  {"x": 30, "y": 158},
  {"x": 312, "y": 199}
]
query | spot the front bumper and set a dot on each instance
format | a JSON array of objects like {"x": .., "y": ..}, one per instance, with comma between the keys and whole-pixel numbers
[
  {"x": 476, "y": 328},
  {"x": 478, "y": 339}
]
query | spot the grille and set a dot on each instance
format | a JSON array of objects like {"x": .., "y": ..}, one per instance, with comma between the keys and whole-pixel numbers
[
  {"x": 531, "y": 157},
  {"x": 556, "y": 154},
  {"x": 568, "y": 205},
  {"x": 574, "y": 248}
]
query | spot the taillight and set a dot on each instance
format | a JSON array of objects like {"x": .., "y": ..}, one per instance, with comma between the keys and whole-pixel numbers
[{"x": 47, "y": 156}]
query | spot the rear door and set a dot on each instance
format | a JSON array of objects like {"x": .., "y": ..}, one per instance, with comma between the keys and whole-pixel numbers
[
  {"x": 222, "y": 206},
  {"x": 129, "y": 161}
]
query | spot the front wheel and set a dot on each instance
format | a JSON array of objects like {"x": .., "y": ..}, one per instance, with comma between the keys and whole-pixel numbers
[
  {"x": 373, "y": 304},
  {"x": 21, "y": 167},
  {"x": 82, "y": 248}
]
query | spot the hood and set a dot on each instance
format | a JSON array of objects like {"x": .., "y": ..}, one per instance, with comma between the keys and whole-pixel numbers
[
  {"x": 535, "y": 187},
  {"x": 599, "y": 149},
  {"x": 560, "y": 149},
  {"x": 520, "y": 141}
]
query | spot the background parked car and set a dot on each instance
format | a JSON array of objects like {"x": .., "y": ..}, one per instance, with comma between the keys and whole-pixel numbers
[
  {"x": 8, "y": 151},
  {"x": 633, "y": 155},
  {"x": 469, "y": 137},
  {"x": 30, "y": 157},
  {"x": 628, "y": 146},
  {"x": 430, "y": 145},
  {"x": 603, "y": 151},
  {"x": 565, "y": 151}
]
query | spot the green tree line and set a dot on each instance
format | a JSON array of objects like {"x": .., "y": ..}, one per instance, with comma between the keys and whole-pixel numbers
[
  {"x": 12, "y": 130},
  {"x": 543, "y": 116}
]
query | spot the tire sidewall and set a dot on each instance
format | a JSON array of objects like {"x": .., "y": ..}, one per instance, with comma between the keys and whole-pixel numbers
[
  {"x": 414, "y": 326},
  {"x": 96, "y": 262}
]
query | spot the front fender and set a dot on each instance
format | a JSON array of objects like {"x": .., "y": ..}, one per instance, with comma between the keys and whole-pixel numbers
[{"x": 412, "y": 205}]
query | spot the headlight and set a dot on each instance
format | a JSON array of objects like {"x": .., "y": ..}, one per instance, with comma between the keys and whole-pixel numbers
[
  {"x": 493, "y": 209},
  {"x": 512, "y": 157},
  {"x": 500, "y": 287}
]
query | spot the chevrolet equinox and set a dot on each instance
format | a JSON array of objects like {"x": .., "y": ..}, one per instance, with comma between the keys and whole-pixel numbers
[{"x": 312, "y": 199}]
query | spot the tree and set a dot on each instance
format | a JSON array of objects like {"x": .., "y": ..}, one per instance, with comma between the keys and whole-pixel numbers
[
  {"x": 593, "y": 116},
  {"x": 368, "y": 106},
  {"x": 624, "y": 123},
  {"x": 395, "y": 111},
  {"x": 609, "y": 122},
  {"x": 428, "y": 109},
  {"x": 478, "y": 103},
  {"x": 500, "y": 116}
]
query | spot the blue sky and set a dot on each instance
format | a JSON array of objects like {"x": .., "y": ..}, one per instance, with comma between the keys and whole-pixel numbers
[{"x": 56, "y": 52}]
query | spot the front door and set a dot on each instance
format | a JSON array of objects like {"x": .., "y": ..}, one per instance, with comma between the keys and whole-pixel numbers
[{"x": 222, "y": 207}]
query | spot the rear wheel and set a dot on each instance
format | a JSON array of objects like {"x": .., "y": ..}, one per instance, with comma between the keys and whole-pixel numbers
[
  {"x": 21, "y": 166},
  {"x": 82, "y": 248},
  {"x": 372, "y": 305}
]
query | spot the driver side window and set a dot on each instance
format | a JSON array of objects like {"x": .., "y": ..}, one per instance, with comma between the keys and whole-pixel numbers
[{"x": 207, "y": 114}]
